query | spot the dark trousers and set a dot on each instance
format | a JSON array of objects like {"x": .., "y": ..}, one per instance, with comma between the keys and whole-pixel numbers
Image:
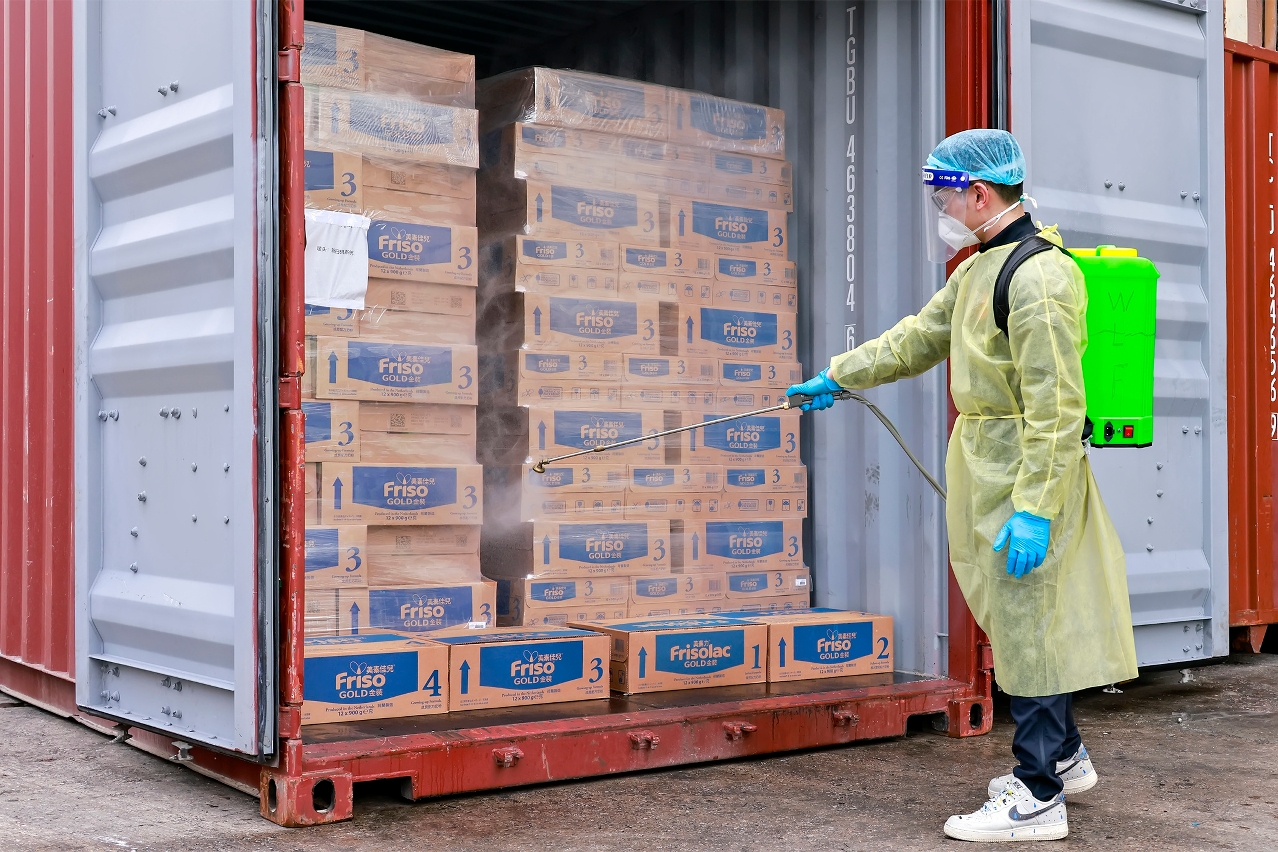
[{"x": 1045, "y": 733}]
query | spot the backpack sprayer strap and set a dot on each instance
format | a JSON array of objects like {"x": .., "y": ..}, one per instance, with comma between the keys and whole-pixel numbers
[{"x": 1024, "y": 250}]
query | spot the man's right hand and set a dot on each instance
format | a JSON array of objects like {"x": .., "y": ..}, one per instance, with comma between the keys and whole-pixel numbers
[{"x": 821, "y": 388}]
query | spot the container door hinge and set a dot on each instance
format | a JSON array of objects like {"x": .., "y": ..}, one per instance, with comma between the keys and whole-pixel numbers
[
  {"x": 289, "y": 65},
  {"x": 290, "y": 392},
  {"x": 984, "y": 657}
]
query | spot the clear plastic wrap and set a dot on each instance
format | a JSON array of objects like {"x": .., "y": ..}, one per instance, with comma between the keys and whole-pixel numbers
[
  {"x": 366, "y": 123},
  {"x": 514, "y": 436},
  {"x": 359, "y": 61},
  {"x": 529, "y": 152},
  {"x": 637, "y": 548},
  {"x": 724, "y": 125},
  {"x": 575, "y": 99},
  {"x": 414, "y": 570},
  {"x": 539, "y": 322},
  {"x": 552, "y": 267}
]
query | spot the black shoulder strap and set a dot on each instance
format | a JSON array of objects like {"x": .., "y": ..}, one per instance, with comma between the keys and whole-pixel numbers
[{"x": 1024, "y": 250}]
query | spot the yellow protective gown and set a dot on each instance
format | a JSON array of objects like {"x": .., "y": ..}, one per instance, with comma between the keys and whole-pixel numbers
[{"x": 1017, "y": 446}]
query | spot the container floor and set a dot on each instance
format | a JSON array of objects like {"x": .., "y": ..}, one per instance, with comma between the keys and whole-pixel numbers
[
  {"x": 1182, "y": 766},
  {"x": 618, "y": 705}
]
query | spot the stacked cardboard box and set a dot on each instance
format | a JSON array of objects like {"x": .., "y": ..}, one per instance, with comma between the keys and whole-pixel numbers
[
  {"x": 634, "y": 277},
  {"x": 395, "y": 491}
]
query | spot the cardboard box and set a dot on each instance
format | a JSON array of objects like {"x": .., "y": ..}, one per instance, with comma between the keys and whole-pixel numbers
[
  {"x": 336, "y": 557},
  {"x": 777, "y": 375},
  {"x": 670, "y": 370},
  {"x": 758, "y": 297},
  {"x": 331, "y": 322},
  {"x": 749, "y": 194},
  {"x": 503, "y": 258},
  {"x": 516, "y": 506},
  {"x": 400, "y": 494},
  {"x": 584, "y": 366},
  {"x": 320, "y": 612},
  {"x": 674, "y": 588},
  {"x": 417, "y": 297},
  {"x": 668, "y": 288},
  {"x": 573, "y": 99},
  {"x": 650, "y": 655},
  {"x": 551, "y": 549},
  {"x": 823, "y": 643},
  {"x": 756, "y": 547},
  {"x": 728, "y": 229},
  {"x": 766, "y": 480},
  {"x": 409, "y": 175},
  {"x": 379, "y": 325},
  {"x": 387, "y": 372},
  {"x": 534, "y": 594},
  {"x": 420, "y": 608},
  {"x": 560, "y": 616},
  {"x": 734, "y": 607},
  {"x": 674, "y": 479},
  {"x": 765, "y": 506},
  {"x": 372, "y": 676},
  {"x": 551, "y": 379},
  {"x": 365, "y": 123},
  {"x": 672, "y": 262},
  {"x": 424, "y": 541},
  {"x": 746, "y": 270},
  {"x": 416, "y": 448},
  {"x": 732, "y": 333},
  {"x": 565, "y": 392},
  {"x": 333, "y": 56},
  {"x": 429, "y": 253},
  {"x": 402, "y": 206},
  {"x": 732, "y": 400},
  {"x": 585, "y": 476},
  {"x": 516, "y": 435},
  {"x": 571, "y": 212},
  {"x": 398, "y": 417},
  {"x": 416, "y": 71},
  {"x": 725, "y": 166},
  {"x": 514, "y": 666},
  {"x": 640, "y": 506},
  {"x": 675, "y": 609},
  {"x": 671, "y": 398},
  {"x": 724, "y": 125},
  {"x": 527, "y": 602},
  {"x": 554, "y": 281},
  {"x": 537, "y": 322},
  {"x": 388, "y": 571},
  {"x": 333, "y": 180},
  {"x": 311, "y": 491},
  {"x": 747, "y": 585},
  {"x": 767, "y": 439},
  {"x": 332, "y": 431}
]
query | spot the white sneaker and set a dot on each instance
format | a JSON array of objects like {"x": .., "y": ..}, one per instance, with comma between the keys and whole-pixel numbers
[
  {"x": 1077, "y": 772},
  {"x": 1014, "y": 814}
]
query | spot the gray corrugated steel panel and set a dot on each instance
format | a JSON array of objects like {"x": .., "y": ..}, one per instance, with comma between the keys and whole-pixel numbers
[{"x": 1130, "y": 94}]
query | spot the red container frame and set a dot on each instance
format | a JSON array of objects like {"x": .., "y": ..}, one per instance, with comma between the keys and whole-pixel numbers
[
  {"x": 1251, "y": 193},
  {"x": 311, "y": 783}
]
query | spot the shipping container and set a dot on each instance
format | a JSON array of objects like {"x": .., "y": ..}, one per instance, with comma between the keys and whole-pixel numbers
[
  {"x": 1251, "y": 85},
  {"x": 152, "y": 461}
]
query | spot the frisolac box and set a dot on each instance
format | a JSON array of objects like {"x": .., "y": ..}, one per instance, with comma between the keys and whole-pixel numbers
[
  {"x": 652, "y": 655},
  {"x": 513, "y": 666}
]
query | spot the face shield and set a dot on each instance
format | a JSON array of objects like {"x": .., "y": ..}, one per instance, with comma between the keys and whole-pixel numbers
[{"x": 943, "y": 205}]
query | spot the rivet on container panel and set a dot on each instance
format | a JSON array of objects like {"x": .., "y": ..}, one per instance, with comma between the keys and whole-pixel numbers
[{"x": 177, "y": 414}]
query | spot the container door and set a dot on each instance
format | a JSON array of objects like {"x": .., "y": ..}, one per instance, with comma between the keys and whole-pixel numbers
[
  {"x": 1119, "y": 105},
  {"x": 175, "y": 501}
]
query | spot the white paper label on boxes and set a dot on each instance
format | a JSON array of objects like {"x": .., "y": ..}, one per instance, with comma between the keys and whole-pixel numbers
[{"x": 336, "y": 259}]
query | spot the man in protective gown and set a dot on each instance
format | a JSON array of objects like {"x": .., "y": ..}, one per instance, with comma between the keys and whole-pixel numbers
[{"x": 1031, "y": 544}]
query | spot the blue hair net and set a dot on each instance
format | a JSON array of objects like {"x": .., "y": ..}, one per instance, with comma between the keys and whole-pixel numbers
[{"x": 992, "y": 155}]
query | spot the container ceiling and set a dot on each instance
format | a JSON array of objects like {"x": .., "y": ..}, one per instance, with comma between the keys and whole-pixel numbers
[{"x": 500, "y": 33}]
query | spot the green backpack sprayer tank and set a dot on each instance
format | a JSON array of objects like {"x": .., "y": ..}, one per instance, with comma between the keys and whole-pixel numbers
[{"x": 1118, "y": 364}]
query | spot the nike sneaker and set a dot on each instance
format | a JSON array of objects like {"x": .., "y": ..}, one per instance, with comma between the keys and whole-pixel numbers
[
  {"x": 1012, "y": 815},
  {"x": 1077, "y": 772}
]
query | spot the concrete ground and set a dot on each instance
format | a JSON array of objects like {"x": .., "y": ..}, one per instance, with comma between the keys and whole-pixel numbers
[{"x": 1185, "y": 764}]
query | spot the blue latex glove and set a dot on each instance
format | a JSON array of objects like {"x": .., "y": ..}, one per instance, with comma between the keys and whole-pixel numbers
[
  {"x": 1028, "y": 536},
  {"x": 821, "y": 388}
]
